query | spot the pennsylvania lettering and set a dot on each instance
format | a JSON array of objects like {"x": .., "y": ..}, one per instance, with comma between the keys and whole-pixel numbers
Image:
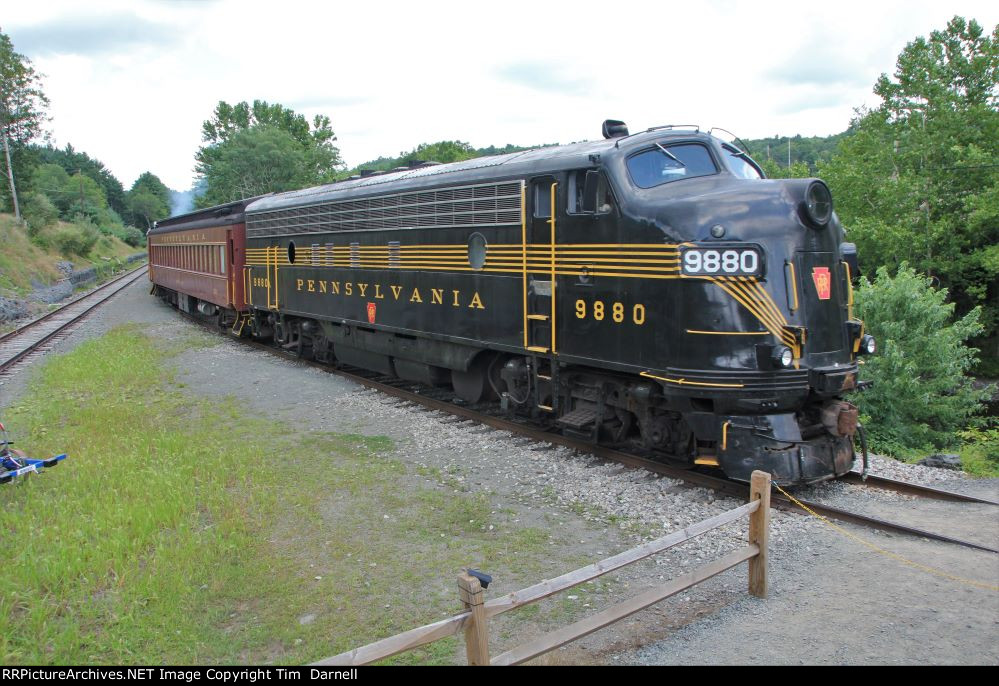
[{"x": 376, "y": 291}]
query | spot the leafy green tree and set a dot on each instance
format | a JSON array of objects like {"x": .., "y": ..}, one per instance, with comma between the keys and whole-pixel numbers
[
  {"x": 72, "y": 195},
  {"x": 145, "y": 207},
  {"x": 22, "y": 114},
  {"x": 772, "y": 153},
  {"x": 305, "y": 154},
  {"x": 148, "y": 200},
  {"x": 797, "y": 170},
  {"x": 253, "y": 162},
  {"x": 72, "y": 162},
  {"x": 918, "y": 180},
  {"x": 39, "y": 211},
  {"x": 52, "y": 181},
  {"x": 151, "y": 183},
  {"x": 921, "y": 394},
  {"x": 442, "y": 151}
]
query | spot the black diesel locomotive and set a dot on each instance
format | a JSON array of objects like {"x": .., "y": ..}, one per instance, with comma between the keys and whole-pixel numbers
[{"x": 652, "y": 291}]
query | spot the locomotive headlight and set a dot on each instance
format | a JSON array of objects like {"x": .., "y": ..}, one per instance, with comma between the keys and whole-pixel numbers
[
  {"x": 817, "y": 206},
  {"x": 868, "y": 346},
  {"x": 782, "y": 357}
]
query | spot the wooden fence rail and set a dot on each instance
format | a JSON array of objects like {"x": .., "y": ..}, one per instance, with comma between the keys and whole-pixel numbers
[{"x": 474, "y": 621}]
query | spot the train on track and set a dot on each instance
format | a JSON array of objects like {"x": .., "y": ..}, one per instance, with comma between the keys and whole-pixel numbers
[{"x": 652, "y": 291}]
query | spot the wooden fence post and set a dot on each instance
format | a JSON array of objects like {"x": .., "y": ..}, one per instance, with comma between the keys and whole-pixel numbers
[
  {"x": 476, "y": 631},
  {"x": 759, "y": 532}
]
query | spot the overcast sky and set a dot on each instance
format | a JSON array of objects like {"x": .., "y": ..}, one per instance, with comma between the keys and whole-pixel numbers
[{"x": 131, "y": 81}]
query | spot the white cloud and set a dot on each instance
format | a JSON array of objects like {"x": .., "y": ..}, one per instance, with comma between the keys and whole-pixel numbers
[{"x": 131, "y": 82}]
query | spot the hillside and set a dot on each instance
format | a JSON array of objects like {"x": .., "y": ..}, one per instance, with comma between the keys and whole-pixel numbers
[{"x": 28, "y": 265}]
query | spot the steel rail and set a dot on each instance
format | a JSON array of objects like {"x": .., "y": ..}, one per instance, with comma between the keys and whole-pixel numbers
[
  {"x": 17, "y": 330},
  {"x": 718, "y": 484},
  {"x": 99, "y": 295},
  {"x": 907, "y": 488}
]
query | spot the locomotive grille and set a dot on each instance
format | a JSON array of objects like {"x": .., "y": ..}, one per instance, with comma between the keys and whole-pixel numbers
[{"x": 490, "y": 204}]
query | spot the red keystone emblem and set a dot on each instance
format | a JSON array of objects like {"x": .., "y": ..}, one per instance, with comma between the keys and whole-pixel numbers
[
  {"x": 371, "y": 311},
  {"x": 823, "y": 282}
]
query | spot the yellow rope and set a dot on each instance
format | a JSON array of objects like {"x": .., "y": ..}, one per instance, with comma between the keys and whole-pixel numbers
[{"x": 929, "y": 570}]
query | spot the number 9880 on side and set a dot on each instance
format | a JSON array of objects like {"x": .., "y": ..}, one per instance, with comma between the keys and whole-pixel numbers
[
  {"x": 741, "y": 261},
  {"x": 613, "y": 311}
]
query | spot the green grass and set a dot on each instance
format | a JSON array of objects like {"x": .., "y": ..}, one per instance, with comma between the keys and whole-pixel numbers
[
  {"x": 187, "y": 531},
  {"x": 22, "y": 262},
  {"x": 980, "y": 452}
]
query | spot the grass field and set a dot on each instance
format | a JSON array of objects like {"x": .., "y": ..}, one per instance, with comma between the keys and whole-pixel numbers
[{"x": 186, "y": 531}]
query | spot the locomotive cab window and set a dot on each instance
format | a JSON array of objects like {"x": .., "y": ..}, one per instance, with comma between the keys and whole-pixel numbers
[
  {"x": 543, "y": 198},
  {"x": 589, "y": 193},
  {"x": 741, "y": 164},
  {"x": 663, "y": 164}
]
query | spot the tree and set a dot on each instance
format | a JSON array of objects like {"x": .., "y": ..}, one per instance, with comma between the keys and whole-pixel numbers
[
  {"x": 797, "y": 170},
  {"x": 921, "y": 394},
  {"x": 73, "y": 162},
  {"x": 918, "y": 180},
  {"x": 72, "y": 195},
  {"x": 148, "y": 200},
  {"x": 281, "y": 151},
  {"x": 22, "y": 110},
  {"x": 442, "y": 151},
  {"x": 145, "y": 207}
]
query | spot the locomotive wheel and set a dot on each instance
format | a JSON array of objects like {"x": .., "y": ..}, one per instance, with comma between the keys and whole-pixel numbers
[{"x": 473, "y": 385}]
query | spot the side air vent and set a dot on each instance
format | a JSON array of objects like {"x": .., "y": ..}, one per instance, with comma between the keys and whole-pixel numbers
[{"x": 479, "y": 205}]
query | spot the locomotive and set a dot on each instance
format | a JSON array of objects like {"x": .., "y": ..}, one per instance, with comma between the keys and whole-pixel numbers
[{"x": 652, "y": 291}]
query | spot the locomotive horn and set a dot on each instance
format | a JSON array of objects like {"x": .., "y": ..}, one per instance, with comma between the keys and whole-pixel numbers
[{"x": 613, "y": 128}]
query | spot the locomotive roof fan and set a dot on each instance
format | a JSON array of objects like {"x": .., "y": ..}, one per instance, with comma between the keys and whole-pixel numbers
[{"x": 613, "y": 128}]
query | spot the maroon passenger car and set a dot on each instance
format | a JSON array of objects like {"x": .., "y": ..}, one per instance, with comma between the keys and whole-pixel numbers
[{"x": 196, "y": 259}]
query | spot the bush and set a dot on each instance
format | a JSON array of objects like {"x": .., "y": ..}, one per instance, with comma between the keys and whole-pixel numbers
[
  {"x": 922, "y": 395},
  {"x": 980, "y": 454},
  {"x": 39, "y": 212},
  {"x": 75, "y": 239},
  {"x": 132, "y": 236}
]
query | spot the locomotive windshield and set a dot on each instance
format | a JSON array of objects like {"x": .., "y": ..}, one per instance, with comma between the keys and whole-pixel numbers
[
  {"x": 741, "y": 165},
  {"x": 663, "y": 164}
]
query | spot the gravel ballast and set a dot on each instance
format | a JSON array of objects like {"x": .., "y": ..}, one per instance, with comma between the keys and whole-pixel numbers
[{"x": 832, "y": 599}]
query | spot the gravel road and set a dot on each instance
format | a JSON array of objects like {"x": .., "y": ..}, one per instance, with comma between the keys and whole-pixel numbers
[{"x": 832, "y": 599}]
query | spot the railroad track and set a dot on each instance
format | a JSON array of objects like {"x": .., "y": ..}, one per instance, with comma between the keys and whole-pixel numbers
[
  {"x": 907, "y": 488},
  {"x": 442, "y": 401},
  {"x": 35, "y": 338}
]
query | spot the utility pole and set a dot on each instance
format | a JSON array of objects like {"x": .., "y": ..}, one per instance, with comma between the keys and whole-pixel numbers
[
  {"x": 788, "y": 153},
  {"x": 10, "y": 175},
  {"x": 79, "y": 176}
]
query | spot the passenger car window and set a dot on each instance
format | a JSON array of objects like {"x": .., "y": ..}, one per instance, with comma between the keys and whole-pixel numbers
[{"x": 670, "y": 163}]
